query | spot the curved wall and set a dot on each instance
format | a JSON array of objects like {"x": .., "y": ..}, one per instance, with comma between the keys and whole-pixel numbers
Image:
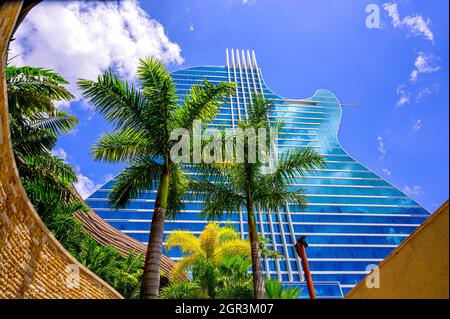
[{"x": 32, "y": 262}]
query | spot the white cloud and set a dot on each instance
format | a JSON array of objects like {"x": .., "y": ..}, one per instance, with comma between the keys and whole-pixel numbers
[
  {"x": 85, "y": 186},
  {"x": 59, "y": 152},
  {"x": 386, "y": 172},
  {"x": 404, "y": 96},
  {"x": 392, "y": 11},
  {"x": 191, "y": 27},
  {"x": 381, "y": 147},
  {"x": 80, "y": 39},
  {"x": 417, "y": 125},
  {"x": 416, "y": 25},
  {"x": 426, "y": 91},
  {"x": 424, "y": 63},
  {"x": 413, "y": 191},
  {"x": 248, "y": 2}
]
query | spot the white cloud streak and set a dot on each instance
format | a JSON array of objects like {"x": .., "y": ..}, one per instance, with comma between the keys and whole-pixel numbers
[
  {"x": 416, "y": 25},
  {"x": 417, "y": 126},
  {"x": 414, "y": 191},
  {"x": 424, "y": 63},
  {"x": 381, "y": 147},
  {"x": 404, "y": 96}
]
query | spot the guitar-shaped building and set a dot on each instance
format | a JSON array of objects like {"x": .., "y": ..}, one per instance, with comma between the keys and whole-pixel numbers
[{"x": 354, "y": 218}]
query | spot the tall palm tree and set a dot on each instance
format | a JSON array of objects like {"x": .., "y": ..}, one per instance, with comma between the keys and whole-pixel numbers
[
  {"x": 228, "y": 187},
  {"x": 144, "y": 118},
  {"x": 204, "y": 254}
]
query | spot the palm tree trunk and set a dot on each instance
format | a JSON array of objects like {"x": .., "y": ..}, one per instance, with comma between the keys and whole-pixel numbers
[
  {"x": 152, "y": 266},
  {"x": 258, "y": 279}
]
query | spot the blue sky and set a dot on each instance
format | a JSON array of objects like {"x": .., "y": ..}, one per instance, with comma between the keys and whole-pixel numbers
[{"x": 397, "y": 73}]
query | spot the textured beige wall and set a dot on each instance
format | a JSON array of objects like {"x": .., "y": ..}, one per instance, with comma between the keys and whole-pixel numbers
[
  {"x": 418, "y": 268},
  {"x": 32, "y": 262}
]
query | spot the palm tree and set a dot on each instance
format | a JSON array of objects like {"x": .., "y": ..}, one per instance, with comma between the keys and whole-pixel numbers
[
  {"x": 205, "y": 253},
  {"x": 35, "y": 124},
  {"x": 227, "y": 187},
  {"x": 34, "y": 119},
  {"x": 144, "y": 118}
]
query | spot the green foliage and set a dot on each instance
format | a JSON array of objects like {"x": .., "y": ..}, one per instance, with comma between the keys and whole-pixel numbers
[
  {"x": 124, "y": 274},
  {"x": 206, "y": 251},
  {"x": 234, "y": 281},
  {"x": 60, "y": 219},
  {"x": 218, "y": 261},
  {"x": 228, "y": 280},
  {"x": 35, "y": 125},
  {"x": 263, "y": 242},
  {"x": 275, "y": 290},
  {"x": 129, "y": 278},
  {"x": 183, "y": 290},
  {"x": 102, "y": 260}
]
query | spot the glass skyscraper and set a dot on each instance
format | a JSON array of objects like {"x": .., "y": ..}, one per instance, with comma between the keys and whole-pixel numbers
[{"x": 354, "y": 218}]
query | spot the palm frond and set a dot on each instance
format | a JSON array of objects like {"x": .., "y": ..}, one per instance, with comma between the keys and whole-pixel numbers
[
  {"x": 158, "y": 88},
  {"x": 121, "y": 145},
  {"x": 219, "y": 198},
  {"x": 258, "y": 112},
  {"x": 141, "y": 175},
  {"x": 57, "y": 122},
  {"x": 28, "y": 141},
  {"x": 233, "y": 247},
  {"x": 184, "y": 263},
  {"x": 178, "y": 185},
  {"x": 295, "y": 163},
  {"x": 47, "y": 164},
  {"x": 41, "y": 81},
  {"x": 203, "y": 102},
  {"x": 120, "y": 103},
  {"x": 186, "y": 241}
]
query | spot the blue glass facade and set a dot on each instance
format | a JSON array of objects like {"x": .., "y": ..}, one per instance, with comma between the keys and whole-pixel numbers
[{"x": 354, "y": 217}]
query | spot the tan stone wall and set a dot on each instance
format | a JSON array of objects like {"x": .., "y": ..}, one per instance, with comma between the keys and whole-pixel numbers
[
  {"x": 32, "y": 262},
  {"x": 418, "y": 268}
]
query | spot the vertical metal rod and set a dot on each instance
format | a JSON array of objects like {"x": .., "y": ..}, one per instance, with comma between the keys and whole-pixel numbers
[
  {"x": 242, "y": 83},
  {"x": 274, "y": 244},
  {"x": 257, "y": 72},
  {"x": 241, "y": 223},
  {"x": 251, "y": 67},
  {"x": 235, "y": 81},
  {"x": 292, "y": 231},
  {"x": 244, "y": 62},
  {"x": 286, "y": 251},
  {"x": 230, "y": 97}
]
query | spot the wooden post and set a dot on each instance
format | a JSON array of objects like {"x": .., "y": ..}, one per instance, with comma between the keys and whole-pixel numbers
[{"x": 300, "y": 248}]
